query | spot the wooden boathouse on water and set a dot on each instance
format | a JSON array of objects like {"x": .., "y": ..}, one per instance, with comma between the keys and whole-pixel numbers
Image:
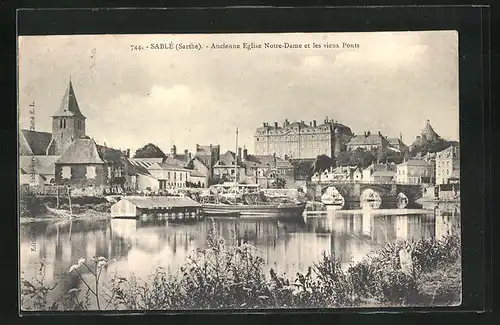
[{"x": 169, "y": 207}]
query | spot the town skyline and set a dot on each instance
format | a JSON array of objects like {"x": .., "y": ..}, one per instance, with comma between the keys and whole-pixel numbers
[{"x": 170, "y": 98}]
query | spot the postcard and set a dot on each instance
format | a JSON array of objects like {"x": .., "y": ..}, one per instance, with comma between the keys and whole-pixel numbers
[{"x": 239, "y": 171}]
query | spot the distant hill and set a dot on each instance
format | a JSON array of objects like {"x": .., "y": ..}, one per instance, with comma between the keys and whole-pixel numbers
[{"x": 431, "y": 146}]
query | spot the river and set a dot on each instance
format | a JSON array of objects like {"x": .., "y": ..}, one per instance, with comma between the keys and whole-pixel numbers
[{"x": 134, "y": 246}]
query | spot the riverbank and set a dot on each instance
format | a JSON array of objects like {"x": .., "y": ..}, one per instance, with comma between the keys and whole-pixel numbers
[
  {"x": 37, "y": 207},
  {"x": 423, "y": 272},
  {"x": 66, "y": 216}
]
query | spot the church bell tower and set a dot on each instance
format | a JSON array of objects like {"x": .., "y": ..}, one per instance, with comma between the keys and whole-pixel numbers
[{"x": 68, "y": 123}]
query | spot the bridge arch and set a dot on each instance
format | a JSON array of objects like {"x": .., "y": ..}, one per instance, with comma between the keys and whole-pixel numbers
[{"x": 370, "y": 195}]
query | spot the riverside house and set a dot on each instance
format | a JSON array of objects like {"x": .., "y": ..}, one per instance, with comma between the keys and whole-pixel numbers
[
  {"x": 414, "y": 171},
  {"x": 263, "y": 169},
  {"x": 88, "y": 166},
  {"x": 380, "y": 173}
]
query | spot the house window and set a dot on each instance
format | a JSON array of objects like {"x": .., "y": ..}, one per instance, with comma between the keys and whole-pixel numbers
[
  {"x": 91, "y": 174},
  {"x": 60, "y": 124},
  {"x": 66, "y": 172},
  {"x": 64, "y": 124},
  {"x": 180, "y": 177}
]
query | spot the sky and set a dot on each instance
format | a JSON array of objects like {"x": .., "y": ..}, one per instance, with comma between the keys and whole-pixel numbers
[{"x": 391, "y": 82}]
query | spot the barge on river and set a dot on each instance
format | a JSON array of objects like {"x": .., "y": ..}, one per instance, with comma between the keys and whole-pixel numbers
[
  {"x": 162, "y": 207},
  {"x": 284, "y": 210},
  {"x": 248, "y": 200}
]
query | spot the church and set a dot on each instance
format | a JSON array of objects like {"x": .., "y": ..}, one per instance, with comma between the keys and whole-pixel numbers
[{"x": 67, "y": 156}]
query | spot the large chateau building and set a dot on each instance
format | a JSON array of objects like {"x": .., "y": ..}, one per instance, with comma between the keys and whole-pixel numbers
[{"x": 299, "y": 140}]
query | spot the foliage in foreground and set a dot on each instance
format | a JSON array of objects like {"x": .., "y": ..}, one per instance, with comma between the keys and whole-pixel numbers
[{"x": 225, "y": 276}]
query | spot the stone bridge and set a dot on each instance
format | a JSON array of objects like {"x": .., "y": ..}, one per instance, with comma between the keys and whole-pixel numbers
[{"x": 353, "y": 191}]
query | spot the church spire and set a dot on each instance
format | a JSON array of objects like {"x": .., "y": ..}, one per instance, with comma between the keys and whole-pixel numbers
[{"x": 69, "y": 105}]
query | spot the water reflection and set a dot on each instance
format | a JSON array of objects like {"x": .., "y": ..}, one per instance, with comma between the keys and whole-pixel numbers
[{"x": 287, "y": 246}]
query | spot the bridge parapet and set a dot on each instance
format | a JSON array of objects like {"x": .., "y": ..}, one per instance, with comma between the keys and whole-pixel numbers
[{"x": 351, "y": 191}]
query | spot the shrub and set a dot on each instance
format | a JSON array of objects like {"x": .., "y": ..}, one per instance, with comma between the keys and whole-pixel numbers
[
  {"x": 226, "y": 276},
  {"x": 30, "y": 205}
]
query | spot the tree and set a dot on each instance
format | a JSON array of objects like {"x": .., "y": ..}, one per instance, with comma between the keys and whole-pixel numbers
[
  {"x": 344, "y": 158},
  {"x": 322, "y": 162},
  {"x": 278, "y": 182},
  {"x": 149, "y": 151},
  {"x": 367, "y": 159}
]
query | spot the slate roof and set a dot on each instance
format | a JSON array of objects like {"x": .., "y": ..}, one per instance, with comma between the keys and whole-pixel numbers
[
  {"x": 395, "y": 142},
  {"x": 81, "y": 151},
  {"x": 44, "y": 165},
  {"x": 414, "y": 162},
  {"x": 137, "y": 166},
  {"x": 69, "y": 104},
  {"x": 144, "y": 162},
  {"x": 86, "y": 151},
  {"x": 384, "y": 173},
  {"x": 376, "y": 167},
  {"x": 167, "y": 166},
  {"x": 178, "y": 160},
  {"x": 191, "y": 165},
  {"x": 226, "y": 159},
  {"x": 161, "y": 201},
  {"x": 372, "y": 139},
  {"x": 34, "y": 142},
  {"x": 267, "y": 160}
]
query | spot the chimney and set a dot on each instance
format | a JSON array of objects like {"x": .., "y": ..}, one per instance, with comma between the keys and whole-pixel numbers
[
  {"x": 365, "y": 134},
  {"x": 186, "y": 152},
  {"x": 245, "y": 154},
  {"x": 275, "y": 125},
  {"x": 310, "y": 124},
  {"x": 379, "y": 134},
  {"x": 428, "y": 122},
  {"x": 286, "y": 122},
  {"x": 239, "y": 154},
  {"x": 314, "y": 123},
  {"x": 264, "y": 124},
  {"x": 368, "y": 133},
  {"x": 401, "y": 136}
]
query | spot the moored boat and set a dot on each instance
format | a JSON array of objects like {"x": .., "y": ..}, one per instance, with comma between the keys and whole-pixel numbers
[
  {"x": 332, "y": 197},
  {"x": 247, "y": 200},
  {"x": 254, "y": 210}
]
